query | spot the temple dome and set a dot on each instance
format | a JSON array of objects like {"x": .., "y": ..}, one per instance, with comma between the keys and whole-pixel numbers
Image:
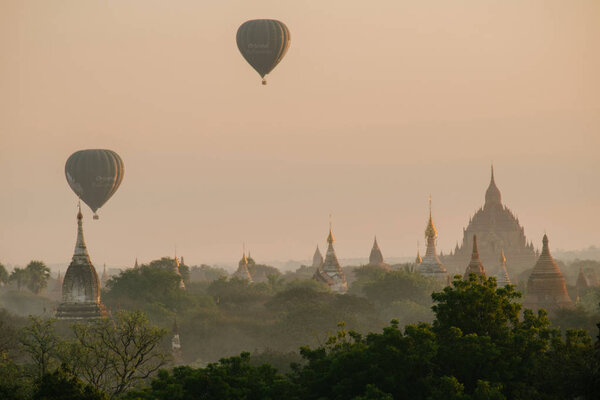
[
  {"x": 492, "y": 194},
  {"x": 81, "y": 286},
  {"x": 475, "y": 266},
  {"x": 546, "y": 286},
  {"x": 497, "y": 228}
]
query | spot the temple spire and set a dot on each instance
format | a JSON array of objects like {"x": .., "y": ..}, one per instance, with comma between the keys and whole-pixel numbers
[
  {"x": 317, "y": 258},
  {"x": 331, "y": 272},
  {"x": 492, "y": 194},
  {"x": 80, "y": 253},
  {"x": 546, "y": 286},
  {"x": 430, "y": 231},
  {"x": 376, "y": 257},
  {"x": 330, "y": 238},
  {"x": 502, "y": 278},
  {"x": 431, "y": 265},
  {"x": 475, "y": 266}
]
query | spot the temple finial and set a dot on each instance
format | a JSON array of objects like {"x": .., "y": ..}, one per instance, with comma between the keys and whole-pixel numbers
[
  {"x": 330, "y": 238},
  {"x": 429, "y": 206}
]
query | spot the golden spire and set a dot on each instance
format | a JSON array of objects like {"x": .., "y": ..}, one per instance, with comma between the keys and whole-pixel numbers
[
  {"x": 430, "y": 231},
  {"x": 330, "y": 238}
]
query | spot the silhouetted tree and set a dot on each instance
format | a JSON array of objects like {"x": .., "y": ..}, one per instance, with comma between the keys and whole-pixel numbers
[{"x": 37, "y": 276}]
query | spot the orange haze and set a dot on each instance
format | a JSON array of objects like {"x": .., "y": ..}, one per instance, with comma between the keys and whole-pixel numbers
[{"x": 376, "y": 105}]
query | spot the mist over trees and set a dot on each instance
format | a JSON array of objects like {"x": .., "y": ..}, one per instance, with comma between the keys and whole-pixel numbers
[{"x": 291, "y": 337}]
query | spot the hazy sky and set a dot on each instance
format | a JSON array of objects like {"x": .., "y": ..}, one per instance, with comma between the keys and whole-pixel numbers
[{"x": 376, "y": 105}]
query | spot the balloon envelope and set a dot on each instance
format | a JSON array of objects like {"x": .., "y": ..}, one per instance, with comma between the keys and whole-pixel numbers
[
  {"x": 94, "y": 175},
  {"x": 263, "y": 43}
]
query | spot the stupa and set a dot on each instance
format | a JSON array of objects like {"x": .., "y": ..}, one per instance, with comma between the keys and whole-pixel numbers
[
  {"x": 546, "y": 286},
  {"x": 497, "y": 229},
  {"x": 475, "y": 266},
  {"x": 81, "y": 286},
  {"x": 242, "y": 272},
  {"x": 331, "y": 272},
  {"x": 431, "y": 266},
  {"x": 502, "y": 278},
  {"x": 376, "y": 257},
  {"x": 317, "y": 259}
]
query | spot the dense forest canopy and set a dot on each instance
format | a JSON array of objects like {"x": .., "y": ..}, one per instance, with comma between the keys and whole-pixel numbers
[{"x": 286, "y": 336}]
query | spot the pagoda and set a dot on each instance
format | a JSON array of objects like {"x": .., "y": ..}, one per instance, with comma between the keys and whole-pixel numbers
[
  {"x": 475, "y": 266},
  {"x": 177, "y": 269},
  {"x": 317, "y": 259},
  {"x": 582, "y": 283},
  {"x": 502, "y": 278},
  {"x": 243, "y": 272},
  {"x": 497, "y": 229},
  {"x": 81, "y": 286},
  {"x": 376, "y": 257},
  {"x": 331, "y": 272},
  {"x": 546, "y": 286},
  {"x": 430, "y": 265},
  {"x": 104, "y": 279}
]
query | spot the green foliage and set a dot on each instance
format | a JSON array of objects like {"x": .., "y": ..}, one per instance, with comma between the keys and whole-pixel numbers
[
  {"x": 169, "y": 264},
  {"x": 62, "y": 384},
  {"x": 206, "y": 273},
  {"x": 114, "y": 355},
  {"x": 19, "y": 276},
  {"x": 41, "y": 343},
  {"x": 231, "y": 378},
  {"x": 261, "y": 272},
  {"x": 147, "y": 288},
  {"x": 3, "y": 275},
  {"x": 399, "y": 285},
  {"x": 37, "y": 276}
]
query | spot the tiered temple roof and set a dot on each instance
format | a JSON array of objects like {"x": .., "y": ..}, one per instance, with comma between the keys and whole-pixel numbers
[
  {"x": 546, "y": 287},
  {"x": 502, "y": 278},
  {"x": 431, "y": 265},
  {"x": 496, "y": 228},
  {"x": 317, "y": 259},
  {"x": 475, "y": 266},
  {"x": 376, "y": 257},
  {"x": 81, "y": 286},
  {"x": 331, "y": 272},
  {"x": 242, "y": 271}
]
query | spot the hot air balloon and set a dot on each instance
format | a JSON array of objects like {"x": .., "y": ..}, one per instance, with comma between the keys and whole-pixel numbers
[
  {"x": 263, "y": 43},
  {"x": 94, "y": 175}
]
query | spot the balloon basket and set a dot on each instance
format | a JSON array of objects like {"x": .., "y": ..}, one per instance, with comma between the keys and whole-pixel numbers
[
  {"x": 96, "y": 216},
  {"x": 264, "y": 81}
]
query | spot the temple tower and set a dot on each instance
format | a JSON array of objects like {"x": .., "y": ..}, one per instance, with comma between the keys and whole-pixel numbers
[
  {"x": 496, "y": 228},
  {"x": 376, "y": 257},
  {"x": 431, "y": 266},
  {"x": 104, "y": 277},
  {"x": 582, "y": 283},
  {"x": 242, "y": 271},
  {"x": 317, "y": 259},
  {"x": 331, "y": 272},
  {"x": 81, "y": 286},
  {"x": 546, "y": 286},
  {"x": 475, "y": 266},
  {"x": 176, "y": 269},
  {"x": 418, "y": 259},
  {"x": 176, "y": 345},
  {"x": 502, "y": 278}
]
